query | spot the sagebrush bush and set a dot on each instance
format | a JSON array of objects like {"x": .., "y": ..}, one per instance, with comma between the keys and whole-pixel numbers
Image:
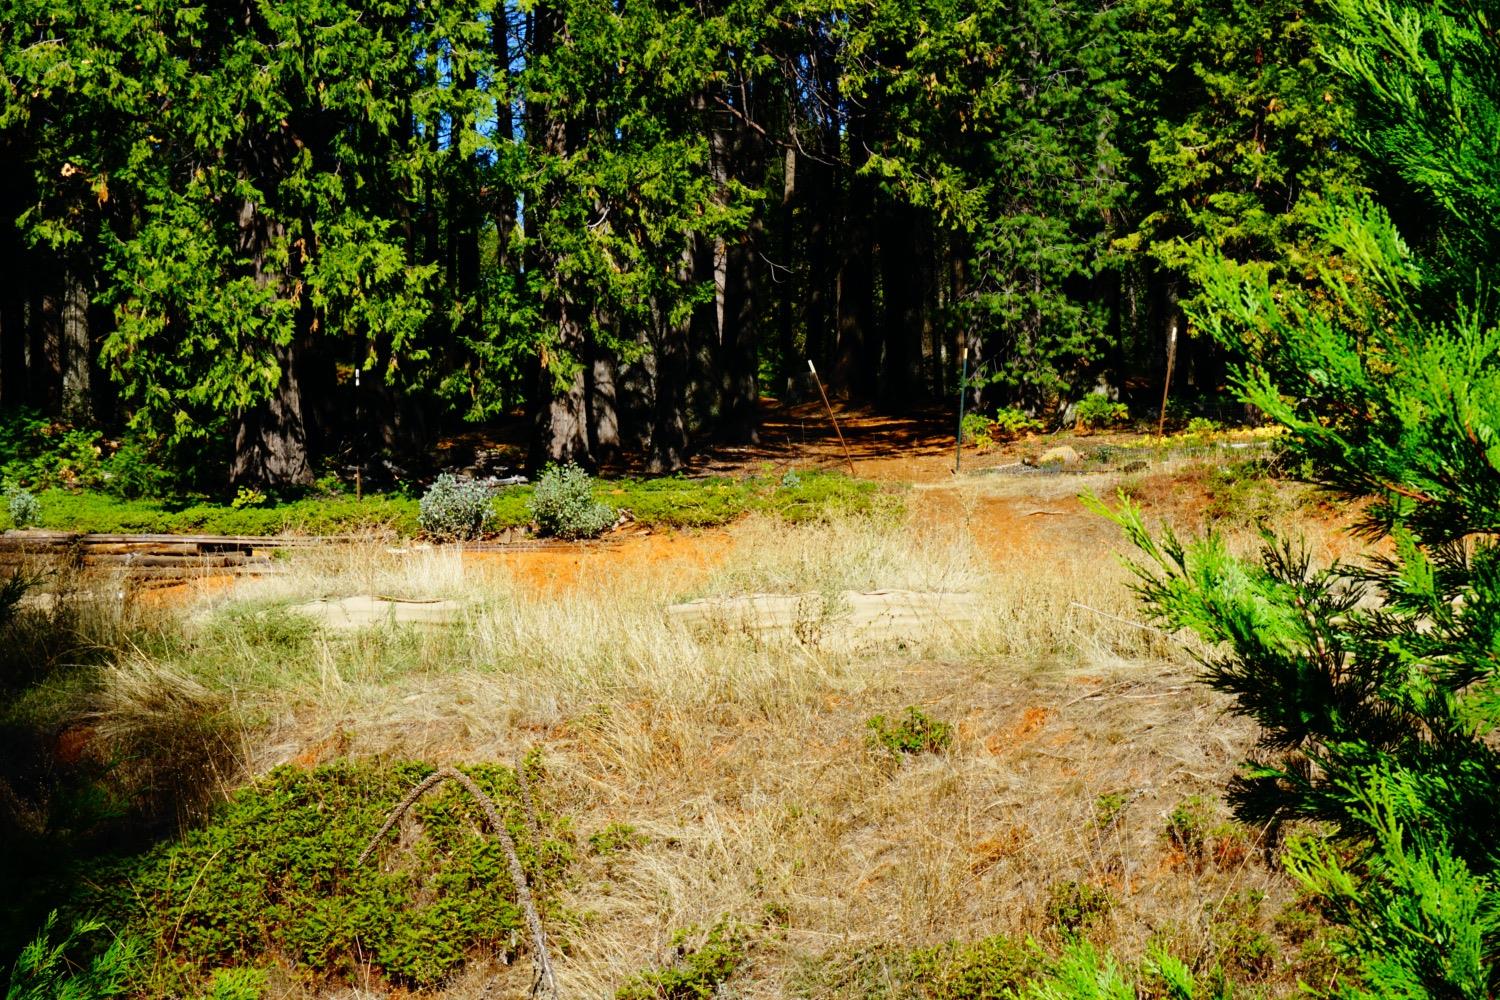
[
  {"x": 23, "y": 508},
  {"x": 455, "y": 508},
  {"x": 563, "y": 504}
]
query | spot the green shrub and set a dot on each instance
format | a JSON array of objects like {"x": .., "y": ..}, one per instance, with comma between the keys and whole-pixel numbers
[
  {"x": 913, "y": 732},
  {"x": 1011, "y": 422},
  {"x": 1108, "y": 807},
  {"x": 1095, "y": 411},
  {"x": 1189, "y": 825},
  {"x": 48, "y": 971},
  {"x": 679, "y": 502},
  {"x": 273, "y": 875},
  {"x": 23, "y": 508},
  {"x": 237, "y": 984},
  {"x": 975, "y": 430},
  {"x": 455, "y": 508},
  {"x": 991, "y": 967},
  {"x": 131, "y": 474},
  {"x": 986, "y": 969},
  {"x": 698, "y": 972},
  {"x": 563, "y": 504},
  {"x": 1075, "y": 906}
]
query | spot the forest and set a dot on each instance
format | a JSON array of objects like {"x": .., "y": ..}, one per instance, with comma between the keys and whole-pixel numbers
[
  {"x": 255, "y": 244},
  {"x": 1207, "y": 706}
]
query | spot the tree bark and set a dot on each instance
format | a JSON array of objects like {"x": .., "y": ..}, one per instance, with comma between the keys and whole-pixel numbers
[
  {"x": 270, "y": 443},
  {"x": 77, "y": 347}
]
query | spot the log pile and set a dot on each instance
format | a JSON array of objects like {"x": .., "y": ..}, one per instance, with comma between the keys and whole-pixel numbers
[{"x": 145, "y": 556}]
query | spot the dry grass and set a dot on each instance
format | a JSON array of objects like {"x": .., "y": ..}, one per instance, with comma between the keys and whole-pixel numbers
[{"x": 744, "y": 761}]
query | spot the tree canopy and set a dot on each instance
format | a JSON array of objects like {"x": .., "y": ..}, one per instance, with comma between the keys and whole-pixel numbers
[{"x": 623, "y": 223}]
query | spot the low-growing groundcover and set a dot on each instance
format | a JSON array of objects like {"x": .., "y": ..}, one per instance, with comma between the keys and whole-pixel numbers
[
  {"x": 670, "y": 502},
  {"x": 272, "y": 879}
]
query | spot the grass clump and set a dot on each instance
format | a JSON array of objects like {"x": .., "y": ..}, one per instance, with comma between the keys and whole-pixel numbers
[
  {"x": 617, "y": 838},
  {"x": 455, "y": 508},
  {"x": 563, "y": 505},
  {"x": 274, "y": 875},
  {"x": 913, "y": 732},
  {"x": 697, "y": 972}
]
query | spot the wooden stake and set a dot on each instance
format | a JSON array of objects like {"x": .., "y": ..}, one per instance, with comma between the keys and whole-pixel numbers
[
  {"x": 963, "y": 391},
  {"x": 1166, "y": 383},
  {"x": 835, "y": 420}
]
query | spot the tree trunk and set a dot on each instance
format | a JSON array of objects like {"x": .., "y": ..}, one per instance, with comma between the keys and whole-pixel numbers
[
  {"x": 858, "y": 351},
  {"x": 270, "y": 443},
  {"x": 668, "y": 360},
  {"x": 77, "y": 348},
  {"x": 739, "y": 391},
  {"x": 562, "y": 430},
  {"x": 44, "y": 358}
]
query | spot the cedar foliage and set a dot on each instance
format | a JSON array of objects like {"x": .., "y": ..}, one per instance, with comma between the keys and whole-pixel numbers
[
  {"x": 1376, "y": 683},
  {"x": 267, "y": 242}
]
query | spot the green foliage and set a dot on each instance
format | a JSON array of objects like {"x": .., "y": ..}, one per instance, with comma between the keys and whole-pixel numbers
[
  {"x": 698, "y": 971},
  {"x": 1203, "y": 426},
  {"x": 455, "y": 508},
  {"x": 678, "y": 502},
  {"x": 56, "y": 971},
  {"x": 1082, "y": 973},
  {"x": 975, "y": 430},
  {"x": 1002, "y": 127},
  {"x": 827, "y": 496},
  {"x": 990, "y": 967},
  {"x": 913, "y": 732},
  {"x": 1108, "y": 808},
  {"x": 1375, "y": 685},
  {"x": 273, "y": 874},
  {"x": 563, "y": 504},
  {"x": 1096, "y": 411},
  {"x": 236, "y": 984},
  {"x": 1073, "y": 906},
  {"x": 22, "y": 507},
  {"x": 62, "y": 510},
  {"x": 1011, "y": 422},
  {"x": 616, "y": 838}
]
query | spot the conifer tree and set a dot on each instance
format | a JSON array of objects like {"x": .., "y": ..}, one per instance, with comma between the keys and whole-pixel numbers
[{"x": 1377, "y": 684}]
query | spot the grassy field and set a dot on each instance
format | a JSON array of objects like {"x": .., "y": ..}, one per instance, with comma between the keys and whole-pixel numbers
[{"x": 713, "y": 807}]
